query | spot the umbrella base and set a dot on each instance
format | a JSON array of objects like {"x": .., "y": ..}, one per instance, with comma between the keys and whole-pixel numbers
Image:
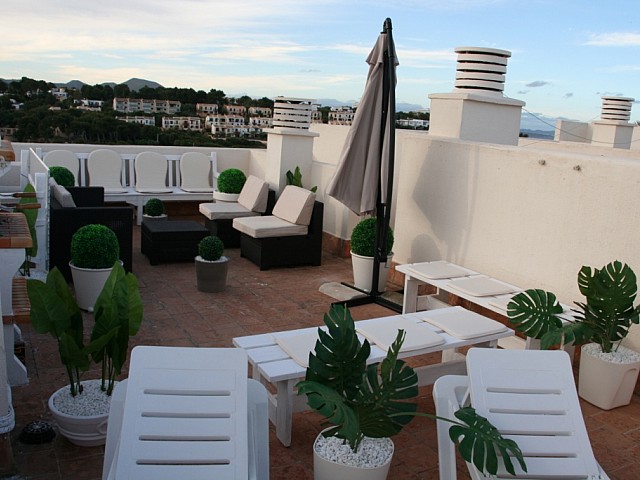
[{"x": 389, "y": 299}]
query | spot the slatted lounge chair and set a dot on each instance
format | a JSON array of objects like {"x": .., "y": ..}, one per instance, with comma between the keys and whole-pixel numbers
[
  {"x": 291, "y": 236},
  {"x": 151, "y": 173},
  {"x": 255, "y": 199},
  {"x": 105, "y": 170},
  {"x": 63, "y": 158},
  {"x": 195, "y": 172},
  {"x": 187, "y": 413},
  {"x": 530, "y": 396}
]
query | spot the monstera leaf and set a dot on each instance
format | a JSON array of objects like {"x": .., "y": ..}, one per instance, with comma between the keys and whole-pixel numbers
[{"x": 534, "y": 312}]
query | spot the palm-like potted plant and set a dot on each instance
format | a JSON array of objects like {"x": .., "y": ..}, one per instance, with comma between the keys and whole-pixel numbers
[
  {"x": 363, "y": 245},
  {"x": 211, "y": 265},
  {"x": 365, "y": 402},
  {"x": 94, "y": 250},
  {"x": 608, "y": 370},
  {"x": 81, "y": 409},
  {"x": 154, "y": 210},
  {"x": 230, "y": 183}
]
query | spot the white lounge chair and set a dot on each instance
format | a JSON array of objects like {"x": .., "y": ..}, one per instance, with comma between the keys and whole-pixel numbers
[
  {"x": 105, "y": 170},
  {"x": 63, "y": 158},
  {"x": 151, "y": 173},
  {"x": 187, "y": 413},
  {"x": 195, "y": 172},
  {"x": 530, "y": 397}
]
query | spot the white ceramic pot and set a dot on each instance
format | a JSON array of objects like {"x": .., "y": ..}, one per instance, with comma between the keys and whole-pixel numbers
[
  {"x": 363, "y": 272},
  {"x": 607, "y": 383},
  {"x": 157, "y": 218},
  {"x": 211, "y": 277},
  {"x": 83, "y": 430},
  {"x": 225, "y": 197},
  {"x": 325, "y": 469},
  {"x": 88, "y": 283}
]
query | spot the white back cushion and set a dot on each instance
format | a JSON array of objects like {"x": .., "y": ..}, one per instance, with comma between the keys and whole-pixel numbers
[
  {"x": 295, "y": 205},
  {"x": 253, "y": 195}
]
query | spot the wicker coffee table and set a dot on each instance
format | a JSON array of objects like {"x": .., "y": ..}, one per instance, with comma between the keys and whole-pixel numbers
[{"x": 171, "y": 240}]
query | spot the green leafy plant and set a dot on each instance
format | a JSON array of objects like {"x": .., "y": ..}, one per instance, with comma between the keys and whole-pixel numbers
[
  {"x": 295, "y": 178},
  {"x": 375, "y": 400},
  {"x": 62, "y": 176},
  {"x": 210, "y": 248},
  {"x": 154, "y": 207},
  {"x": 605, "y": 318},
  {"x": 231, "y": 180},
  {"x": 31, "y": 214},
  {"x": 363, "y": 238},
  {"x": 118, "y": 315},
  {"x": 94, "y": 246}
]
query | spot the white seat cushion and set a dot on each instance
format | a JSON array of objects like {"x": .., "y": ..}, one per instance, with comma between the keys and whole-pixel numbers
[
  {"x": 253, "y": 195},
  {"x": 268, "y": 226},
  {"x": 224, "y": 210},
  {"x": 295, "y": 205}
]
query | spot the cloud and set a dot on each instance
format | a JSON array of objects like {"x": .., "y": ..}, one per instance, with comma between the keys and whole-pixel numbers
[
  {"x": 568, "y": 95},
  {"x": 615, "y": 39},
  {"x": 523, "y": 92},
  {"x": 537, "y": 83}
]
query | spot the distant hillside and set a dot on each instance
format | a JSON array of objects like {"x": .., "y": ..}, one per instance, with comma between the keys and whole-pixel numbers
[{"x": 134, "y": 84}]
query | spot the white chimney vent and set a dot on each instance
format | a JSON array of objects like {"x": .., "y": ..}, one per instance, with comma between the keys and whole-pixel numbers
[
  {"x": 616, "y": 108},
  {"x": 481, "y": 70}
]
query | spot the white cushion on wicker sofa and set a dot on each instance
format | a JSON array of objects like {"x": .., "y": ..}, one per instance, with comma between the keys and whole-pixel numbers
[
  {"x": 291, "y": 216},
  {"x": 251, "y": 202}
]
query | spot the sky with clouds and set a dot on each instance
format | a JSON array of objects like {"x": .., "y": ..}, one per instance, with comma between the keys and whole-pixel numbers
[{"x": 566, "y": 54}]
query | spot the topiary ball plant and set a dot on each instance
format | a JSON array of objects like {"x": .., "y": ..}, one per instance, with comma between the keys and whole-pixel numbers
[
  {"x": 363, "y": 238},
  {"x": 210, "y": 248},
  {"x": 94, "y": 246},
  {"x": 62, "y": 176},
  {"x": 231, "y": 180},
  {"x": 154, "y": 207}
]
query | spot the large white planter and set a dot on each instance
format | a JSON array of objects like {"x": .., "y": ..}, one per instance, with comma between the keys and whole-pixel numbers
[
  {"x": 87, "y": 429},
  {"x": 225, "y": 197},
  {"x": 607, "y": 383},
  {"x": 363, "y": 272},
  {"x": 88, "y": 283},
  {"x": 325, "y": 469}
]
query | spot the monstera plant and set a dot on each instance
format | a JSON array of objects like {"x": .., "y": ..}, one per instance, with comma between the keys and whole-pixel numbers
[{"x": 378, "y": 400}]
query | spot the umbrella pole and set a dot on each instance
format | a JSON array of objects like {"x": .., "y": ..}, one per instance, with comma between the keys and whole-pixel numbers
[{"x": 383, "y": 207}]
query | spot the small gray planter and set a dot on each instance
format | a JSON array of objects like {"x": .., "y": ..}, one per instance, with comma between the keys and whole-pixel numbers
[{"x": 211, "y": 276}]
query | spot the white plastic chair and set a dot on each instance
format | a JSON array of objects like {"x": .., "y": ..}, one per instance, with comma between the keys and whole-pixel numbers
[
  {"x": 195, "y": 172},
  {"x": 530, "y": 397},
  {"x": 187, "y": 413},
  {"x": 151, "y": 173},
  {"x": 63, "y": 158},
  {"x": 105, "y": 170}
]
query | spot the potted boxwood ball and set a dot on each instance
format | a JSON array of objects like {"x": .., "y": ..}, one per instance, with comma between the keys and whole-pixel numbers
[
  {"x": 363, "y": 244},
  {"x": 154, "y": 210},
  {"x": 211, "y": 265},
  {"x": 230, "y": 183},
  {"x": 94, "y": 250},
  {"x": 62, "y": 176}
]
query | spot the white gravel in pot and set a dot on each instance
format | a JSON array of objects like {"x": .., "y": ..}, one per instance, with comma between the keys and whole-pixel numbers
[
  {"x": 622, "y": 355},
  {"x": 372, "y": 452},
  {"x": 92, "y": 400}
]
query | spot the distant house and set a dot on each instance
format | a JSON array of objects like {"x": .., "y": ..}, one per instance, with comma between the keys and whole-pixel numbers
[
  {"x": 235, "y": 109},
  {"x": 205, "y": 109},
  {"x": 89, "y": 105},
  {"x": 260, "y": 111},
  {"x": 227, "y": 125},
  {"x": 129, "y": 105},
  {"x": 182, "y": 123},
  {"x": 139, "y": 119},
  {"x": 341, "y": 115},
  {"x": 60, "y": 93}
]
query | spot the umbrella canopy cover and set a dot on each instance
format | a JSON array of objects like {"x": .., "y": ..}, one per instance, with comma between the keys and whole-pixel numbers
[{"x": 363, "y": 168}]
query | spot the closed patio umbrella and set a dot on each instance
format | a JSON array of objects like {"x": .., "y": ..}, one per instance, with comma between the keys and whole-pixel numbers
[{"x": 363, "y": 180}]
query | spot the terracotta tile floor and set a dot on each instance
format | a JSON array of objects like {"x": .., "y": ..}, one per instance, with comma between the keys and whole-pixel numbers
[{"x": 176, "y": 313}]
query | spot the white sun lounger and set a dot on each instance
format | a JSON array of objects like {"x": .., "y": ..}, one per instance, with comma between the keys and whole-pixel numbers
[
  {"x": 151, "y": 173},
  {"x": 63, "y": 158},
  {"x": 195, "y": 172},
  {"x": 530, "y": 397},
  {"x": 105, "y": 170}
]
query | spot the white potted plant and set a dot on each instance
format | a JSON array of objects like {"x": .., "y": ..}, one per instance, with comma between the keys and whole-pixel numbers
[
  {"x": 367, "y": 404},
  {"x": 94, "y": 250},
  {"x": 211, "y": 265},
  {"x": 363, "y": 245},
  {"x": 81, "y": 409},
  {"x": 608, "y": 370},
  {"x": 154, "y": 210},
  {"x": 230, "y": 183}
]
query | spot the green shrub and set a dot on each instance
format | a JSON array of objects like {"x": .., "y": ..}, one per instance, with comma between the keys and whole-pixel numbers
[
  {"x": 210, "y": 248},
  {"x": 363, "y": 238},
  {"x": 231, "y": 180},
  {"x": 94, "y": 246},
  {"x": 62, "y": 176},
  {"x": 154, "y": 207}
]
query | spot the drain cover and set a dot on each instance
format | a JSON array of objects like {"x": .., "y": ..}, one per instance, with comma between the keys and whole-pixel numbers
[{"x": 37, "y": 432}]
